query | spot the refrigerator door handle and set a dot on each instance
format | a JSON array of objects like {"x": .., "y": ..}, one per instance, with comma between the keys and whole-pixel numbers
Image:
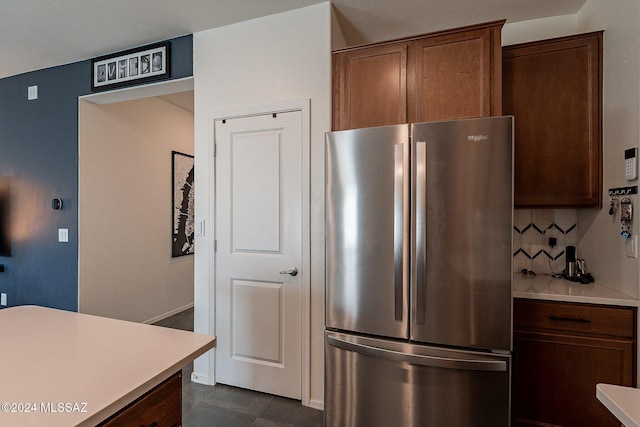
[
  {"x": 416, "y": 359},
  {"x": 421, "y": 230},
  {"x": 398, "y": 230}
]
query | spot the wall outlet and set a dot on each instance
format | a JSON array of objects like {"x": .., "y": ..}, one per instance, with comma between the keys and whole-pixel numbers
[
  {"x": 3, "y": 299},
  {"x": 63, "y": 235}
]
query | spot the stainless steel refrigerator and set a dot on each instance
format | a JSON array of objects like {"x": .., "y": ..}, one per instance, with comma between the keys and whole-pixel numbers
[{"x": 419, "y": 221}]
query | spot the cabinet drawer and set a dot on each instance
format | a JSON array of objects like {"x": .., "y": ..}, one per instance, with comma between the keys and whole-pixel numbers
[
  {"x": 577, "y": 318},
  {"x": 162, "y": 406}
]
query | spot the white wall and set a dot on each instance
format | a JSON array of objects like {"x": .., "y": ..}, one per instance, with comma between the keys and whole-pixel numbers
[
  {"x": 125, "y": 265},
  {"x": 621, "y": 120},
  {"x": 274, "y": 59},
  {"x": 538, "y": 29},
  {"x": 600, "y": 234},
  {"x": 599, "y": 240},
  {"x": 338, "y": 40}
]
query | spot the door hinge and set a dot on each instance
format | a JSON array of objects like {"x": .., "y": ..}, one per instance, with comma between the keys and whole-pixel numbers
[
  {"x": 215, "y": 149},
  {"x": 215, "y": 246}
]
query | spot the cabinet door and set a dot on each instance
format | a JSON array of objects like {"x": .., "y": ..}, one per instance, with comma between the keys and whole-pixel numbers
[
  {"x": 553, "y": 89},
  {"x": 555, "y": 377},
  {"x": 162, "y": 406},
  {"x": 370, "y": 87},
  {"x": 458, "y": 76}
]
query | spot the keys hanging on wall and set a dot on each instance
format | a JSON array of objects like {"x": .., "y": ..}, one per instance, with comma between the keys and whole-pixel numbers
[
  {"x": 613, "y": 206},
  {"x": 626, "y": 216}
]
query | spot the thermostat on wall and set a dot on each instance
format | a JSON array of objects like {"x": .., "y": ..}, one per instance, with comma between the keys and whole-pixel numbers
[{"x": 630, "y": 164}]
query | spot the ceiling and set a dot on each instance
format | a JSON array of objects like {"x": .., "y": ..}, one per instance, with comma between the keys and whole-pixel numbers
[{"x": 37, "y": 34}]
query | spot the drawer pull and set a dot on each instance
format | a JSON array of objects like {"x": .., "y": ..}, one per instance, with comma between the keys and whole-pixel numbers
[{"x": 569, "y": 319}]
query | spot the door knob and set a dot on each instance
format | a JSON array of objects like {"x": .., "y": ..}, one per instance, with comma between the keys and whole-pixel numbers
[{"x": 292, "y": 271}]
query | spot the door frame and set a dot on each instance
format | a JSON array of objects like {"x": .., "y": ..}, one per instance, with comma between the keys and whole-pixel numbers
[{"x": 205, "y": 313}]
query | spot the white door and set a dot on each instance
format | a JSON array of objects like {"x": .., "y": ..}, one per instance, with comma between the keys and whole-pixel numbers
[{"x": 259, "y": 238}]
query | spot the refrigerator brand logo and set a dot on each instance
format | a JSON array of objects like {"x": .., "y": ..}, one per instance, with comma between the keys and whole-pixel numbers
[{"x": 478, "y": 137}]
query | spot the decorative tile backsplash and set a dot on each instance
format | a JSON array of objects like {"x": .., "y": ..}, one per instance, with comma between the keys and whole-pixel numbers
[{"x": 532, "y": 229}]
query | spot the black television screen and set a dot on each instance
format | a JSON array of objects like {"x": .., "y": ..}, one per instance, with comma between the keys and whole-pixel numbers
[{"x": 5, "y": 211}]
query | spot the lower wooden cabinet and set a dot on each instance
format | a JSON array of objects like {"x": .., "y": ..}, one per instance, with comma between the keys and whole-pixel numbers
[
  {"x": 561, "y": 351},
  {"x": 160, "y": 407}
]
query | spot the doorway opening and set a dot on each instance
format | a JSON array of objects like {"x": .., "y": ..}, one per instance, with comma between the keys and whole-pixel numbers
[{"x": 125, "y": 143}]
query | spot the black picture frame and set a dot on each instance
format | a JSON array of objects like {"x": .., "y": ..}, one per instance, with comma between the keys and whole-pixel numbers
[
  {"x": 131, "y": 67},
  {"x": 182, "y": 203}
]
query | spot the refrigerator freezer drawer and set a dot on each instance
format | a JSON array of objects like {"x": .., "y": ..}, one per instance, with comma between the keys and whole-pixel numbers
[{"x": 372, "y": 382}]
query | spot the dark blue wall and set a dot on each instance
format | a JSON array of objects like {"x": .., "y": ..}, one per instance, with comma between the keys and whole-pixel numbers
[{"x": 39, "y": 153}]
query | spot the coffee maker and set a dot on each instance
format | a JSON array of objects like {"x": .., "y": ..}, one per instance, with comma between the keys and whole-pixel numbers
[{"x": 575, "y": 269}]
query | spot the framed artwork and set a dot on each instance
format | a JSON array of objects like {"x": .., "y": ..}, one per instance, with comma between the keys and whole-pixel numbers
[
  {"x": 138, "y": 65},
  {"x": 183, "y": 217}
]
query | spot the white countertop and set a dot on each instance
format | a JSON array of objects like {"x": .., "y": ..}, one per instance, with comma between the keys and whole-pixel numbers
[
  {"x": 623, "y": 402},
  {"x": 93, "y": 363},
  {"x": 557, "y": 289}
]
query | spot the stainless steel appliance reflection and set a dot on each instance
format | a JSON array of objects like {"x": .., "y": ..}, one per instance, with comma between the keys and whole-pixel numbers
[{"x": 418, "y": 275}]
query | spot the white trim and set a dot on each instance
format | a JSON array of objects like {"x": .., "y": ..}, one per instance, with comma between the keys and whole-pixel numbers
[
  {"x": 277, "y": 107},
  {"x": 204, "y": 366},
  {"x": 201, "y": 379},
  {"x": 168, "y": 314},
  {"x": 141, "y": 91},
  {"x": 316, "y": 404},
  {"x": 304, "y": 106}
]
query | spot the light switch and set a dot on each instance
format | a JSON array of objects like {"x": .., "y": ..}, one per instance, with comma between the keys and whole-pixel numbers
[
  {"x": 632, "y": 246},
  {"x": 32, "y": 93},
  {"x": 201, "y": 229},
  {"x": 63, "y": 235}
]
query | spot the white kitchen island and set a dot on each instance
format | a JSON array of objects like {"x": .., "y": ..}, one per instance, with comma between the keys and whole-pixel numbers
[
  {"x": 623, "y": 402},
  {"x": 59, "y": 368}
]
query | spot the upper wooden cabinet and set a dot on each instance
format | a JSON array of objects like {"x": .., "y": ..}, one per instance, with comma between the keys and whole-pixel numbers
[
  {"x": 452, "y": 74},
  {"x": 553, "y": 88},
  {"x": 370, "y": 87},
  {"x": 458, "y": 75}
]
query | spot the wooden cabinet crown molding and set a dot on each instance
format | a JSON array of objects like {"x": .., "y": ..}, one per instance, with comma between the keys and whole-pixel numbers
[{"x": 451, "y": 31}]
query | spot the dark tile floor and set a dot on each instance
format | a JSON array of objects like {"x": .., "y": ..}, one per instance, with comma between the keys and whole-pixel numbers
[{"x": 225, "y": 406}]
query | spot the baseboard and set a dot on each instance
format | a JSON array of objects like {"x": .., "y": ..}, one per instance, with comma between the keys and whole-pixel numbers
[
  {"x": 200, "y": 379},
  {"x": 169, "y": 314},
  {"x": 316, "y": 404}
]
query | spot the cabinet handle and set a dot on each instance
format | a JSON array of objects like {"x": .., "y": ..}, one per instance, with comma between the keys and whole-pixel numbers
[{"x": 570, "y": 319}]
